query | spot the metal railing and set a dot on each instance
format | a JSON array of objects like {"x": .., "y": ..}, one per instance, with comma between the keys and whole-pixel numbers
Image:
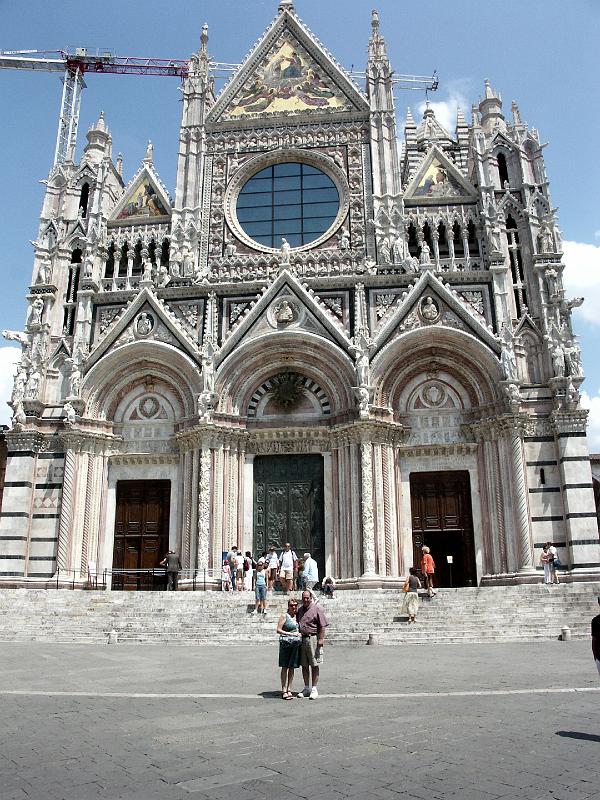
[{"x": 153, "y": 579}]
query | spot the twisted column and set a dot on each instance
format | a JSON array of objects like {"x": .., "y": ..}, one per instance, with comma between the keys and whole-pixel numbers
[
  {"x": 499, "y": 501},
  {"x": 66, "y": 510},
  {"x": 368, "y": 527},
  {"x": 204, "y": 509},
  {"x": 524, "y": 533}
]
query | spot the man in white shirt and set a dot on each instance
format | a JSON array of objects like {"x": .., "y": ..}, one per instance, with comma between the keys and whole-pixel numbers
[
  {"x": 288, "y": 564},
  {"x": 310, "y": 576},
  {"x": 272, "y": 566}
]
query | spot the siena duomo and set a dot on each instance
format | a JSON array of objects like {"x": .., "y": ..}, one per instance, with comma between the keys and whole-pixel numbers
[{"x": 335, "y": 332}]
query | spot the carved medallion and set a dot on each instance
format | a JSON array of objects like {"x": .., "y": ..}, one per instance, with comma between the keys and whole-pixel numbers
[
  {"x": 433, "y": 394},
  {"x": 144, "y": 324},
  {"x": 148, "y": 407},
  {"x": 428, "y": 310}
]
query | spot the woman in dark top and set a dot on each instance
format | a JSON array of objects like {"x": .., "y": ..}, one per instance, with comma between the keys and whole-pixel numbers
[
  {"x": 411, "y": 598},
  {"x": 289, "y": 648}
]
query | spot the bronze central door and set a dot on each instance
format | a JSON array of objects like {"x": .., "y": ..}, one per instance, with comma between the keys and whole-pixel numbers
[
  {"x": 141, "y": 534},
  {"x": 288, "y": 505}
]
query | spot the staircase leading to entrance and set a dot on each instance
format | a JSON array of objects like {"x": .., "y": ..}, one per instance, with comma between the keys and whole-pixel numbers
[{"x": 511, "y": 613}]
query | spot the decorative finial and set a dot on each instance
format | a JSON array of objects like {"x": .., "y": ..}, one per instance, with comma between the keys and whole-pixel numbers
[
  {"x": 410, "y": 121},
  {"x": 286, "y": 5},
  {"x": 149, "y": 152},
  {"x": 375, "y": 19},
  {"x": 516, "y": 114},
  {"x": 120, "y": 164},
  {"x": 100, "y": 125},
  {"x": 204, "y": 38}
]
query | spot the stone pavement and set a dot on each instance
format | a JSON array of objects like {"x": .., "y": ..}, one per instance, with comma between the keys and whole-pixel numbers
[{"x": 141, "y": 722}]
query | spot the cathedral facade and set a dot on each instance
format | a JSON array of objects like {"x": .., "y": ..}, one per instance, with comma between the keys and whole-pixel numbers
[{"x": 325, "y": 338}]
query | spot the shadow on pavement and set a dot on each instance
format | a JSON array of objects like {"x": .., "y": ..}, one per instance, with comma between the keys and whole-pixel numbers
[{"x": 589, "y": 737}]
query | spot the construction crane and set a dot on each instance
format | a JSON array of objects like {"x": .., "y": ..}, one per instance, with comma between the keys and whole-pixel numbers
[
  {"x": 79, "y": 62},
  {"x": 74, "y": 65}
]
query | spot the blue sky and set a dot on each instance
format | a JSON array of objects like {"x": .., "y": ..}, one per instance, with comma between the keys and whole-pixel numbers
[{"x": 541, "y": 53}]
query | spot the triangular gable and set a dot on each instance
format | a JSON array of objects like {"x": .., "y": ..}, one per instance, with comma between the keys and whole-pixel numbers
[
  {"x": 500, "y": 139},
  {"x": 288, "y": 72},
  {"x": 437, "y": 181},
  {"x": 145, "y": 303},
  {"x": 430, "y": 302},
  {"x": 145, "y": 199},
  {"x": 304, "y": 310},
  {"x": 526, "y": 323}
]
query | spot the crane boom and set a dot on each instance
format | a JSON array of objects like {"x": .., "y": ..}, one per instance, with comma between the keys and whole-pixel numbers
[{"x": 75, "y": 64}]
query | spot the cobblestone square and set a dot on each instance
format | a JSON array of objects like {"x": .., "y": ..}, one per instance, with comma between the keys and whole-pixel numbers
[{"x": 470, "y": 722}]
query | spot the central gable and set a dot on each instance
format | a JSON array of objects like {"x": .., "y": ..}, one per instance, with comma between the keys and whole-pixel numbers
[{"x": 287, "y": 73}]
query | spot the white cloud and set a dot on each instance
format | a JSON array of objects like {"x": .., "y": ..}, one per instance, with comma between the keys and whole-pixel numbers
[
  {"x": 445, "y": 110},
  {"x": 8, "y": 358},
  {"x": 593, "y": 404},
  {"x": 582, "y": 278}
]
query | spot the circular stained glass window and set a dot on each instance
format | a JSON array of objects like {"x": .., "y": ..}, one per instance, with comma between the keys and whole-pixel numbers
[{"x": 291, "y": 201}]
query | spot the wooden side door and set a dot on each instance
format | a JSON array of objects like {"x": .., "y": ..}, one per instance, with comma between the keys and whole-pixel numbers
[
  {"x": 141, "y": 532},
  {"x": 442, "y": 520}
]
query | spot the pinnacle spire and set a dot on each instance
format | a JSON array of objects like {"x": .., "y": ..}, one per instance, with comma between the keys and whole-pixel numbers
[
  {"x": 286, "y": 5},
  {"x": 377, "y": 49}
]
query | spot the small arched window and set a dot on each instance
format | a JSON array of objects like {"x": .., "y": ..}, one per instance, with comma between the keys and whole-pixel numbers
[
  {"x": 137, "y": 259},
  {"x": 109, "y": 270},
  {"x": 443, "y": 246},
  {"x": 457, "y": 238},
  {"x": 516, "y": 266},
  {"x": 413, "y": 242},
  {"x": 123, "y": 261},
  {"x": 502, "y": 169},
  {"x": 472, "y": 239},
  {"x": 83, "y": 199}
]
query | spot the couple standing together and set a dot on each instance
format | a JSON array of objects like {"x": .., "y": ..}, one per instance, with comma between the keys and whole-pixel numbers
[{"x": 301, "y": 641}]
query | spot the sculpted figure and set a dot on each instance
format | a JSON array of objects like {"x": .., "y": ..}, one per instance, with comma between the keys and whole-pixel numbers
[
  {"x": 230, "y": 248},
  {"x": 18, "y": 392},
  {"x": 37, "y": 309},
  {"x": 147, "y": 275},
  {"x": 145, "y": 324},
  {"x": 361, "y": 349},
  {"x": 558, "y": 360},
  {"x": 509, "y": 362},
  {"x": 573, "y": 359},
  {"x": 384, "y": 248},
  {"x": 17, "y": 336},
  {"x": 571, "y": 396},
  {"x": 513, "y": 394},
  {"x": 74, "y": 381},
  {"x": 205, "y": 404},
  {"x": 285, "y": 312},
  {"x": 425, "y": 254},
  {"x": 19, "y": 419},
  {"x": 285, "y": 252},
  {"x": 43, "y": 275},
  {"x": 208, "y": 369},
  {"x": 33, "y": 385},
  {"x": 399, "y": 249},
  {"x": 429, "y": 309},
  {"x": 345, "y": 241},
  {"x": 70, "y": 413},
  {"x": 362, "y": 395}
]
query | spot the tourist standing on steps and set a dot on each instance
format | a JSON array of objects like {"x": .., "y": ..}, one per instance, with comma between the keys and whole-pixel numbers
[
  {"x": 428, "y": 570},
  {"x": 596, "y": 639},
  {"x": 231, "y": 557},
  {"x": 172, "y": 565},
  {"x": 239, "y": 572},
  {"x": 312, "y": 623},
  {"x": 288, "y": 564},
  {"x": 225, "y": 577},
  {"x": 248, "y": 571},
  {"x": 545, "y": 562},
  {"x": 410, "y": 606},
  {"x": 272, "y": 565},
  {"x": 289, "y": 647},
  {"x": 260, "y": 588},
  {"x": 310, "y": 576},
  {"x": 554, "y": 562}
]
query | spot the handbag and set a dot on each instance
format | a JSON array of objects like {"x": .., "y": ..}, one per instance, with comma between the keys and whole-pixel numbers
[
  {"x": 405, "y": 586},
  {"x": 289, "y": 641}
]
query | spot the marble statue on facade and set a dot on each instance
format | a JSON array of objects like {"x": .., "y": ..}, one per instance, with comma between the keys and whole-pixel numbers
[
  {"x": 285, "y": 252},
  {"x": 37, "y": 310}
]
